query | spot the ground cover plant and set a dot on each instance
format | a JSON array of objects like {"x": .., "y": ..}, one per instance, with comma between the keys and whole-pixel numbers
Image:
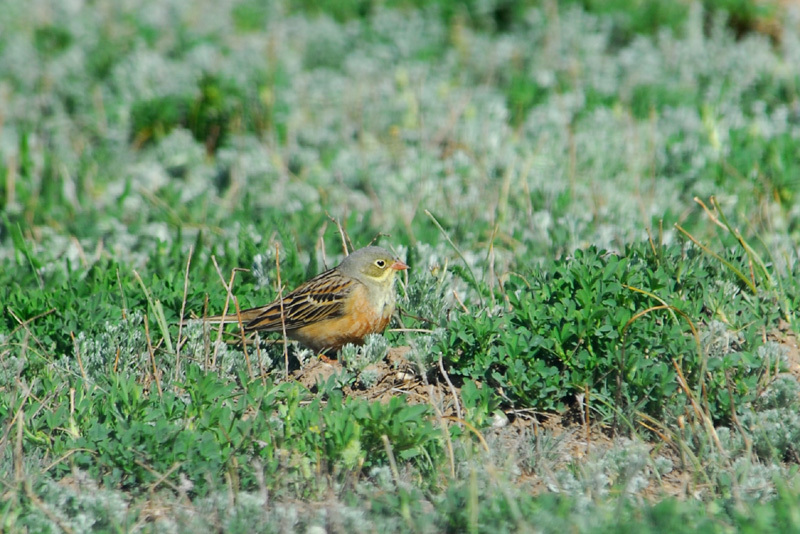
[{"x": 597, "y": 202}]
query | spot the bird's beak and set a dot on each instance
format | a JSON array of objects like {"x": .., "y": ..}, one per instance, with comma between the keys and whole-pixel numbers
[{"x": 398, "y": 266}]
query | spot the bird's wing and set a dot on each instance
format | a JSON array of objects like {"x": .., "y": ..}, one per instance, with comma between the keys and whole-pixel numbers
[{"x": 322, "y": 297}]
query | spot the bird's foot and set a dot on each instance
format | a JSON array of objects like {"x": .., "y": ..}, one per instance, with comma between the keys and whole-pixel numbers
[{"x": 327, "y": 359}]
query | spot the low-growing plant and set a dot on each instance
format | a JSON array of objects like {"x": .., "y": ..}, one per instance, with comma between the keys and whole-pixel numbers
[
  {"x": 619, "y": 327},
  {"x": 479, "y": 403},
  {"x": 220, "y": 109}
]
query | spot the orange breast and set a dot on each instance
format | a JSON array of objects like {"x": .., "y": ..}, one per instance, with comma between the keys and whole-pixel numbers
[{"x": 359, "y": 320}]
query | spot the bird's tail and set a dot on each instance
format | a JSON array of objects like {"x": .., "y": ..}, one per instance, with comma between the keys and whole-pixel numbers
[{"x": 244, "y": 317}]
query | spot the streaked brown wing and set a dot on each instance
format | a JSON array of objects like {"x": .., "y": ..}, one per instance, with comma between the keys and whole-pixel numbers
[{"x": 320, "y": 298}]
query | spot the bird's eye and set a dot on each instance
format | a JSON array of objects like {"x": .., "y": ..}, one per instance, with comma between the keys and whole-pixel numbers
[{"x": 380, "y": 263}]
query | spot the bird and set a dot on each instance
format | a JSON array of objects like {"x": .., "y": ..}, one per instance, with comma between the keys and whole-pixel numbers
[{"x": 339, "y": 306}]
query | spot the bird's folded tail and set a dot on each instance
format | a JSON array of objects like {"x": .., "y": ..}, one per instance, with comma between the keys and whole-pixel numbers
[{"x": 244, "y": 316}]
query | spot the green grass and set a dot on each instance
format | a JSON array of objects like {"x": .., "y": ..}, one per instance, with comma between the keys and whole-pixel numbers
[{"x": 600, "y": 225}]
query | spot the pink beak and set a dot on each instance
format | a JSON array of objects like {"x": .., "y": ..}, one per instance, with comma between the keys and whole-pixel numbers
[{"x": 398, "y": 266}]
